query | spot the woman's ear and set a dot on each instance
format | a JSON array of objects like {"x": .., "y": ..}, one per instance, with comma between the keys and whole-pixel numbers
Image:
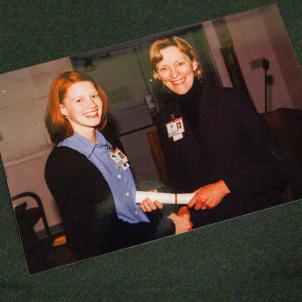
[
  {"x": 195, "y": 65},
  {"x": 156, "y": 76},
  {"x": 63, "y": 110}
]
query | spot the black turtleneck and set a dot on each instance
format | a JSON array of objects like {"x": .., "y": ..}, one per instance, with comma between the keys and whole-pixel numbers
[{"x": 188, "y": 104}]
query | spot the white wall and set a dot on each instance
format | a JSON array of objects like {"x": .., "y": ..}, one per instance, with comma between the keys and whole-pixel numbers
[
  {"x": 216, "y": 55},
  {"x": 25, "y": 143},
  {"x": 23, "y": 100},
  {"x": 285, "y": 54},
  {"x": 251, "y": 41},
  {"x": 121, "y": 78},
  {"x": 257, "y": 34}
]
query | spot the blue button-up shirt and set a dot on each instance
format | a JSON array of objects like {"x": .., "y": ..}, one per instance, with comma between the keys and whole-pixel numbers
[{"x": 120, "y": 181}]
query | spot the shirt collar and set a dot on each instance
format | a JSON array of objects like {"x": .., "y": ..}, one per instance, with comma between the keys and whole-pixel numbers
[{"x": 82, "y": 144}]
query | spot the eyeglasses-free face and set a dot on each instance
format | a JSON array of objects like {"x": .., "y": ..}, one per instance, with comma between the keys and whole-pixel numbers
[
  {"x": 82, "y": 106},
  {"x": 176, "y": 70}
]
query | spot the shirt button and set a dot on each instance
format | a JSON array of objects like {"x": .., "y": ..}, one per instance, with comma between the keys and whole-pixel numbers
[
  {"x": 136, "y": 212},
  {"x": 127, "y": 194},
  {"x": 119, "y": 176}
]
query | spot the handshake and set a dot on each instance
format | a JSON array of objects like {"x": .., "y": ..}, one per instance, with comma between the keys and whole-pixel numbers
[
  {"x": 204, "y": 198},
  {"x": 181, "y": 220},
  {"x": 148, "y": 204}
]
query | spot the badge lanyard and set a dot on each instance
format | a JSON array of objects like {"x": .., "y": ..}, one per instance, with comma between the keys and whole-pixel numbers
[{"x": 175, "y": 128}]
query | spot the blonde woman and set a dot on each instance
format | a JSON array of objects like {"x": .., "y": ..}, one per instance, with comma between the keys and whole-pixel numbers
[{"x": 214, "y": 141}]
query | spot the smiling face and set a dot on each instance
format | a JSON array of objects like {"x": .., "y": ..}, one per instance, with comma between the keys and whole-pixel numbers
[
  {"x": 176, "y": 70},
  {"x": 82, "y": 106}
]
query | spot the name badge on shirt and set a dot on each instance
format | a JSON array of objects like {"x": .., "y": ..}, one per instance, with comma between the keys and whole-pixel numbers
[
  {"x": 176, "y": 128},
  {"x": 119, "y": 158}
]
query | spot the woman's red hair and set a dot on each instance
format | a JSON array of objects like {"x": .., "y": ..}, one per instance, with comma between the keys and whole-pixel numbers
[{"x": 59, "y": 127}]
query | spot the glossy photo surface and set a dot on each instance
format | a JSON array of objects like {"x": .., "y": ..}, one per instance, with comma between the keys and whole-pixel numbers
[{"x": 228, "y": 95}]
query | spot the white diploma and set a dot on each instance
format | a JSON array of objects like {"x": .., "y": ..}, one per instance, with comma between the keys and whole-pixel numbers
[{"x": 168, "y": 198}]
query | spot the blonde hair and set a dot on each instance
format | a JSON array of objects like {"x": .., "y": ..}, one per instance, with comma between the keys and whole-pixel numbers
[
  {"x": 154, "y": 55},
  {"x": 59, "y": 127}
]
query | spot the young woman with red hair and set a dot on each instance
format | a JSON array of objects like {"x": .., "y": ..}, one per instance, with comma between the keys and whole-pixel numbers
[{"x": 94, "y": 189}]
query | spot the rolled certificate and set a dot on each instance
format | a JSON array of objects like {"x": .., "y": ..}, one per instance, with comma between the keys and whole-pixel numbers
[{"x": 168, "y": 198}]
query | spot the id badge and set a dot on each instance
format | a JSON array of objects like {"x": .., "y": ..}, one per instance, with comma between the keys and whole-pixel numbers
[
  {"x": 175, "y": 129},
  {"x": 119, "y": 158}
]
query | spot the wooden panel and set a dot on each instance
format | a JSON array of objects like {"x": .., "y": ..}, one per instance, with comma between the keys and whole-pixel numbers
[{"x": 287, "y": 126}]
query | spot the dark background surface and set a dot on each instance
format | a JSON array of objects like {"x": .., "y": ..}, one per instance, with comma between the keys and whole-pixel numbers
[{"x": 252, "y": 258}]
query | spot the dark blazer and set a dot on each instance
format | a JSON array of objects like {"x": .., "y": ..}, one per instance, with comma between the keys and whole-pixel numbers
[
  {"x": 87, "y": 208},
  {"x": 231, "y": 142}
]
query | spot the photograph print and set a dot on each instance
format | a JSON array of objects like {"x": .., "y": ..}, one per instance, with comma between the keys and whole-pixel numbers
[{"x": 135, "y": 142}]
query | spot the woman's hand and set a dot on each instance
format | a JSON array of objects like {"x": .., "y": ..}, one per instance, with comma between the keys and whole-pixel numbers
[
  {"x": 209, "y": 196},
  {"x": 182, "y": 223},
  {"x": 148, "y": 205}
]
